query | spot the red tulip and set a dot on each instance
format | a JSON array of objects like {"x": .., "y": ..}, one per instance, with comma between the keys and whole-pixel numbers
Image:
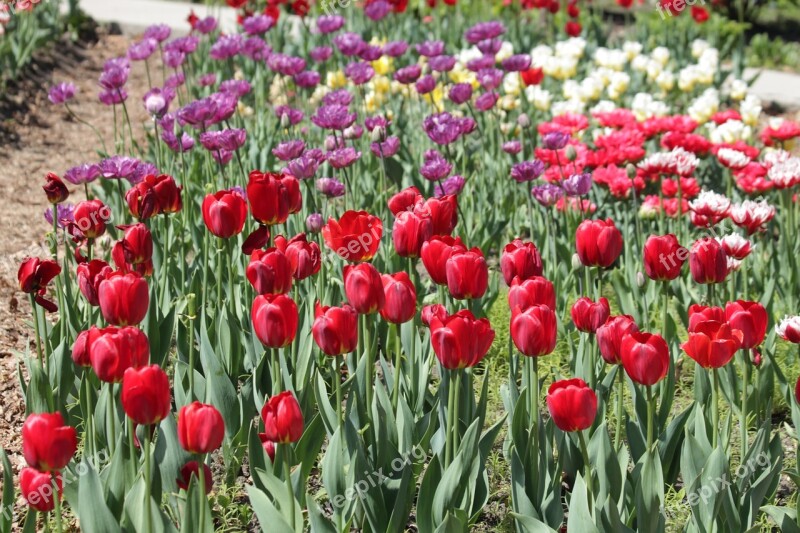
[
  {"x": 273, "y": 197},
  {"x": 610, "y": 335},
  {"x": 269, "y": 271},
  {"x": 699, "y": 14},
  {"x": 572, "y": 404},
  {"x": 532, "y": 76},
  {"x": 435, "y": 253},
  {"x": 47, "y": 443},
  {"x": 168, "y": 194},
  {"x": 588, "y": 315},
  {"x": 534, "y": 330},
  {"x": 335, "y": 329},
  {"x": 113, "y": 350},
  {"x": 33, "y": 275},
  {"x": 645, "y": 357},
  {"x": 429, "y": 312},
  {"x": 405, "y": 200},
  {"x": 664, "y": 257},
  {"x": 123, "y": 298},
  {"x": 304, "y": 256},
  {"x": 789, "y": 329},
  {"x": 409, "y": 232},
  {"x": 750, "y": 318},
  {"x": 283, "y": 419},
  {"x": 354, "y": 237},
  {"x": 274, "y": 319},
  {"x": 520, "y": 259},
  {"x": 136, "y": 244},
  {"x": 598, "y": 243},
  {"x": 443, "y": 212},
  {"x": 154, "y": 195},
  {"x": 400, "y": 298},
  {"x": 364, "y": 288},
  {"x": 573, "y": 28},
  {"x": 91, "y": 217},
  {"x": 467, "y": 274},
  {"x": 146, "y": 395},
  {"x": 192, "y": 469},
  {"x": 713, "y": 344},
  {"x": 225, "y": 213},
  {"x": 708, "y": 262},
  {"x": 258, "y": 238},
  {"x": 701, "y": 313},
  {"x": 268, "y": 445},
  {"x": 90, "y": 275},
  {"x": 460, "y": 340},
  {"x": 54, "y": 189},
  {"x": 534, "y": 291},
  {"x": 80, "y": 351},
  {"x": 37, "y": 488},
  {"x": 200, "y": 428}
]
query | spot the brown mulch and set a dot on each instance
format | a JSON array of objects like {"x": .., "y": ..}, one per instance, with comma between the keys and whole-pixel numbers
[{"x": 37, "y": 137}]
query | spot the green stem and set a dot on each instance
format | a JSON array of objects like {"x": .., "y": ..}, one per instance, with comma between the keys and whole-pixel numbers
[
  {"x": 587, "y": 469},
  {"x": 56, "y": 502},
  {"x": 620, "y": 406},
  {"x": 448, "y": 450},
  {"x": 715, "y": 406},
  {"x": 745, "y": 384},
  {"x": 457, "y": 404},
  {"x": 112, "y": 419},
  {"x": 287, "y": 472},
  {"x": 132, "y": 448},
  {"x": 201, "y": 492},
  {"x": 337, "y": 384},
  {"x": 370, "y": 370},
  {"x": 651, "y": 421},
  {"x": 37, "y": 331},
  {"x": 148, "y": 521},
  {"x": 398, "y": 359}
]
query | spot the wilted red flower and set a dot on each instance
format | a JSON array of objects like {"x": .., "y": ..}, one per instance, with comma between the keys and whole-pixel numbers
[
  {"x": 436, "y": 252},
  {"x": 400, "y": 303},
  {"x": 588, "y": 315},
  {"x": 335, "y": 329},
  {"x": 283, "y": 419},
  {"x": 534, "y": 330},
  {"x": 274, "y": 319},
  {"x": 467, "y": 274},
  {"x": 645, "y": 357},
  {"x": 146, "y": 394},
  {"x": 269, "y": 271},
  {"x": 610, "y": 335},
  {"x": 750, "y": 318},
  {"x": 113, "y": 350},
  {"x": 273, "y": 197},
  {"x": 364, "y": 288},
  {"x": 200, "y": 428},
  {"x": 572, "y": 404},
  {"x": 47, "y": 443},
  {"x": 123, "y": 298},
  {"x": 598, "y": 243},
  {"x": 192, "y": 468},
  {"x": 713, "y": 343},
  {"x": 55, "y": 189},
  {"x": 520, "y": 259},
  {"x": 33, "y": 275},
  {"x": 355, "y": 236},
  {"x": 664, "y": 257},
  {"x": 460, "y": 340},
  {"x": 224, "y": 213}
]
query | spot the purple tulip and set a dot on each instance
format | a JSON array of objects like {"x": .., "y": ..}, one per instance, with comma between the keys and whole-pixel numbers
[
  {"x": 547, "y": 194},
  {"x": 314, "y": 223},
  {"x": 484, "y": 30},
  {"x": 349, "y": 44},
  {"x": 226, "y": 47},
  {"x": 142, "y": 50},
  {"x": 359, "y": 73},
  {"x": 387, "y": 148},
  {"x": 517, "y": 63},
  {"x": 330, "y": 187},
  {"x": 486, "y": 101},
  {"x": 555, "y": 140},
  {"x": 395, "y": 48},
  {"x": 304, "y": 167},
  {"x": 435, "y": 168},
  {"x": 62, "y": 92},
  {"x": 84, "y": 173},
  {"x": 329, "y": 23},
  {"x": 577, "y": 184},
  {"x": 452, "y": 185},
  {"x": 290, "y": 115},
  {"x": 333, "y": 117},
  {"x": 159, "y": 32},
  {"x": 308, "y": 79},
  {"x": 430, "y": 48},
  {"x": 377, "y": 10},
  {"x": 343, "y": 157},
  {"x": 258, "y": 24},
  {"x": 321, "y": 54},
  {"x": 512, "y": 147},
  {"x": 289, "y": 150},
  {"x": 341, "y": 97},
  {"x": 408, "y": 75},
  {"x": 481, "y": 63},
  {"x": 442, "y": 128},
  {"x": 426, "y": 84},
  {"x": 527, "y": 171},
  {"x": 237, "y": 88},
  {"x": 442, "y": 63}
]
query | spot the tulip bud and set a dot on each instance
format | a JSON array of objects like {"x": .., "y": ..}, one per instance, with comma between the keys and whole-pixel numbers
[
  {"x": 55, "y": 189},
  {"x": 640, "y": 280},
  {"x": 756, "y": 358},
  {"x": 314, "y": 223},
  {"x": 576, "y": 262},
  {"x": 571, "y": 154},
  {"x": 192, "y": 469},
  {"x": 285, "y": 121},
  {"x": 378, "y": 134},
  {"x": 524, "y": 121},
  {"x": 630, "y": 169}
]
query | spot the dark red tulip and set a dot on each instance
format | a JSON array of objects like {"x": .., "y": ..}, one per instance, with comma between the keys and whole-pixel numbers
[
  {"x": 610, "y": 335},
  {"x": 192, "y": 469},
  {"x": 304, "y": 256},
  {"x": 354, "y": 237},
  {"x": 534, "y": 330},
  {"x": 708, "y": 262},
  {"x": 701, "y": 313},
  {"x": 154, "y": 195},
  {"x": 33, "y": 275},
  {"x": 80, "y": 350},
  {"x": 645, "y": 357},
  {"x": 168, "y": 194},
  {"x": 274, "y": 319},
  {"x": 47, "y": 443},
  {"x": 713, "y": 344},
  {"x": 273, "y": 197},
  {"x": 55, "y": 189},
  {"x": 467, "y": 274},
  {"x": 37, "y": 488},
  {"x": 268, "y": 445},
  {"x": 400, "y": 303},
  {"x": 598, "y": 243},
  {"x": 533, "y": 291},
  {"x": 257, "y": 239},
  {"x": 90, "y": 275},
  {"x": 664, "y": 257},
  {"x": 588, "y": 315},
  {"x": 91, "y": 217},
  {"x": 520, "y": 259},
  {"x": 146, "y": 395},
  {"x": 460, "y": 340},
  {"x": 335, "y": 329},
  {"x": 136, "y": 244},
  {"x": 225, "y": 213},
  {"x": 364, "y": 288},
  {"x": 443, "y": 212},
  {"x": 283, "y": 419},
  {"x": 269, "y": 271},
  {"x": 123, "y": 298},
  {"x": 405, "y": 200},
  {"x": 572, "y": 404},
  {"x": 410, "y": 230},
  {"x": 200, "y": 428},
  {"x": 429, "y": 312},
  {"x": 436, "y": 251},
  {"x": 750, "y": 318},
  {"x": 113, "y": 350}
]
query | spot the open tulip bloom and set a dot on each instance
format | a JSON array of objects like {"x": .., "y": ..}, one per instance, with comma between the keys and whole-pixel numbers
[{"x": 326, "y": 272}]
